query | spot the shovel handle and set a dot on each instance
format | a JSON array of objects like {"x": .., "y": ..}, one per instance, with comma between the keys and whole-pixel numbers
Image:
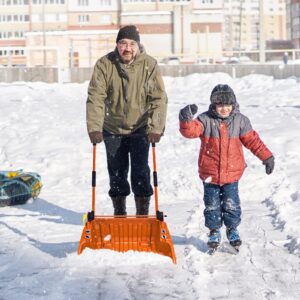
[
  {"x": 155, "y": 182},
  {"x": 94, "y": 180}
]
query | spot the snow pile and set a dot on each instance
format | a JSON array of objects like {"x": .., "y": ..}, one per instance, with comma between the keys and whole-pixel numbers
[{"x": 43, "y": 130}]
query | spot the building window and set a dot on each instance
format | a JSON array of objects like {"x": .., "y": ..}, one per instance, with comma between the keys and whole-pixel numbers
[
  {"x": 128, "y": 1},
  {"x": 11, "y": 35},
  {"x": 83, "y": 2},
  {"x": 47, "y": 1},
  {"x": 14, "y": 18},
  {"x": 105, "y": 2},
  {"x": 106, "y": 19},
  {"x": 166, "y": 1},
  {"x": 11, "y": 52},
  {"x": 83, "y": 18}
]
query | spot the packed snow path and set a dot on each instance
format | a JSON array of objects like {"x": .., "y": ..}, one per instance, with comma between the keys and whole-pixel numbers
[{"x": 43, "y": 130}]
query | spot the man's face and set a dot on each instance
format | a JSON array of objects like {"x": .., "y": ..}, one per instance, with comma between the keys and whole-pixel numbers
[
  {"x": 224, "y": 110},
  {"x": 127, "y": 50}
]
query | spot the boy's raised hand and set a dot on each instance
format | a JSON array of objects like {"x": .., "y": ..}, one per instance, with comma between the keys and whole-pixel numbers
[
  {"x": 269, "y": 163},
  {"x": 186, "y": 114}
]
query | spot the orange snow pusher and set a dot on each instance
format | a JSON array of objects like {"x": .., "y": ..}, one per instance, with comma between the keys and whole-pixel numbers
[{"x": 123, "y": 233}]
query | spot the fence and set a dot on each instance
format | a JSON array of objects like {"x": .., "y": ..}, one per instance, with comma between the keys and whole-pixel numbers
[
  {"x": 85, "y": 55},
  {"x": 50, "y": 75}
]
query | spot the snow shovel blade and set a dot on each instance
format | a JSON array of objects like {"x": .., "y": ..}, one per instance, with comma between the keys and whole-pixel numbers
[{"x": 121, "y": 234}]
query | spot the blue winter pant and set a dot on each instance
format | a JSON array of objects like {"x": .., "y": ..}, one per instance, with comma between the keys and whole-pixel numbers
[
  {"x": 120, "y": 151},
  {"x": 222, "y": 204}
]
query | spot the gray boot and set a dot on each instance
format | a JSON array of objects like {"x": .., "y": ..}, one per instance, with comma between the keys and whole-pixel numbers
[
  {"x": 119, "y": 204},
  {"x": 142, "y": 205}
]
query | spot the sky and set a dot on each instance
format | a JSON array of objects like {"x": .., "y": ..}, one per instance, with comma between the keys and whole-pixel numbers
[{"x": 43, "y": 130}]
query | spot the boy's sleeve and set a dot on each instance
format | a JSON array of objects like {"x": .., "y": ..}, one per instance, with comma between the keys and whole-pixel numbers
[
  {"x": 251, "y": 140},
  {"x": 192, "y": 129}
]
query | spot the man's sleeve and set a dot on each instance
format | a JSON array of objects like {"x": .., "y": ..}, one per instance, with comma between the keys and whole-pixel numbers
[
  {"x": 158, "y": 100},
  {"x": 95, "y": 104}
]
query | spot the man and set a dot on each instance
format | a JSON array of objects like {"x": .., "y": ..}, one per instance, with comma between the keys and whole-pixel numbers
[{"x": 126, "y": 107}]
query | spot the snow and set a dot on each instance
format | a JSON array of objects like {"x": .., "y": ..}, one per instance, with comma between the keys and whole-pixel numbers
[{"x": 43, "y": 130}]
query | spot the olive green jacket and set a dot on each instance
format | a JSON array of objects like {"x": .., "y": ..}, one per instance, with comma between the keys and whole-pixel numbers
[{"x": 123, "y": 98}]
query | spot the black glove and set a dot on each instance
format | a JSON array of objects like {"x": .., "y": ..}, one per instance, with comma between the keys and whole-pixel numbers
[
  {"x": 154, "y": 137},
  {"x": 96, "y": 137},
  {"x": 269, "y": 163},
  {"x": 186, "y": 114}
]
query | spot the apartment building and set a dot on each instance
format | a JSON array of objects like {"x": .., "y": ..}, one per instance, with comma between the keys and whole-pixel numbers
[
  {"x": 241, "y": 24},
  {"x": 293, "y": 21},
  {"x": 18, "y": 17},
  {"x": 57, "y": 32},
  {"x": 176, "y": 27},
  {"x": 75, "y": 33},
  {"x": 90, "y": 32}
]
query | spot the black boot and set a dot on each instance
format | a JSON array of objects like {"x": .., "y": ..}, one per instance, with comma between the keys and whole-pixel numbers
[
  {"x": 142, "y": 205},
  {"x": 119, "y": 204}
]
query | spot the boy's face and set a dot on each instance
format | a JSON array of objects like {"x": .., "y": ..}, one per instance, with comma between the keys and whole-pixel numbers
[
  {"x": 224, "y": 110},
  {"x": 127, "y": 49}
]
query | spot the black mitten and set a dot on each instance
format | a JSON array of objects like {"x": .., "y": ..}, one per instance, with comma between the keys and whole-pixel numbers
[
  {"x": 186, "y": 114},
  {"x": 270, "y": 164},
  {"x": 96, "y": 137}
]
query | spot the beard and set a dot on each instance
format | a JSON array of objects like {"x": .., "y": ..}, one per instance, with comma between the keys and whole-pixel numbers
[{"x": 127, "y": 56}]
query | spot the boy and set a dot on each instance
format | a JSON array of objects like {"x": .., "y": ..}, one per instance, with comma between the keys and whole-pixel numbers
[{"x": 223, "y": 130}]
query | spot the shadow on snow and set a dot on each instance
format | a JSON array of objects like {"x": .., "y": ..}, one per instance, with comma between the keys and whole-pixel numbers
[{"x": 46, "y": 212}]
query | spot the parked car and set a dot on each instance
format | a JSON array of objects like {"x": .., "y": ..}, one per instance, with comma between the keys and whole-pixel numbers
[
  {"x": 221, "y": 60},
  {"x": 246, "y": 60},
  {"x": 204, "y": 61},
  {"x": 232, "y": 60},
  {"x": 171, "y": 60}
]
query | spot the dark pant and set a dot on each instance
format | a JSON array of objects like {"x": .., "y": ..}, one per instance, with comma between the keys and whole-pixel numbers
[
  {"x": 222, "y": 204},
  {"x": 119, "y": 151}
]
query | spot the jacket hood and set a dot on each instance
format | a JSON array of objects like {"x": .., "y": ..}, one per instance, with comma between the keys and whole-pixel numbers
[{"x": 222, "y": 94}]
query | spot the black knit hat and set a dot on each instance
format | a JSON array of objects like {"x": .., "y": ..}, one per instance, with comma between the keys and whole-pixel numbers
[
  {"x": 128, "y": 32},
  {"x": 222, "y": 94}
]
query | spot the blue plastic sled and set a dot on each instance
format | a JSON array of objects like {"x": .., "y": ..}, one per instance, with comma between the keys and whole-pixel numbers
[{"x": 17, "y": 187}]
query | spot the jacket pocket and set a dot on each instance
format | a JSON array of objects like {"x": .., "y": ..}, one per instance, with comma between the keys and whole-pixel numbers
[{"x": 207, "y": 154}]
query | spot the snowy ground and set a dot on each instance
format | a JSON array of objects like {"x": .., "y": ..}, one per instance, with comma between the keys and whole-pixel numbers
[{"x": 43, "y": 130}]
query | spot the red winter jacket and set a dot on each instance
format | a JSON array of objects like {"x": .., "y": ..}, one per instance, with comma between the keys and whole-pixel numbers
[{"x": 221, "y": 158}]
